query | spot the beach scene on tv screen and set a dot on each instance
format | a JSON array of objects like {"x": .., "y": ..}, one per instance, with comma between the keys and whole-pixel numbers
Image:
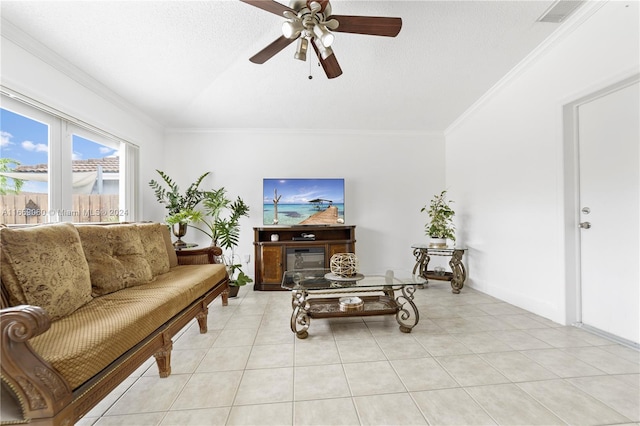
[{"x": 303, "y": 201}]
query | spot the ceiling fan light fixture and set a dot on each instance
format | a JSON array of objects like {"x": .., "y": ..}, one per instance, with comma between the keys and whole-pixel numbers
[
  {"x": 332, "y": 24},
  {"x": 301, "y": 49},
  {"x": 289, "y": 14},
  {"x": 312, "y": 21},
  {"x": 325, "y": 51},
  {"x": 292, "y": 29},
  {"x": 322, "y": 34},
  {"x": 315, "y": 7}
]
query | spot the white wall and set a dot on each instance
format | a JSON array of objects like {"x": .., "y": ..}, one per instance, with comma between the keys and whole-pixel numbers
[
  {"x": 29, "y": 75},
  {"x": 505, "y": 159},
  {"x": 388, "y": 178}
]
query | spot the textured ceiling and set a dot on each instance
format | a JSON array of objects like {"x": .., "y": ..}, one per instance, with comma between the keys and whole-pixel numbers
[{"x": 186, "y": 63}]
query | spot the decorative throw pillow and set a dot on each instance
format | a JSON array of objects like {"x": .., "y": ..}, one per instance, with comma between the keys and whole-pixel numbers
[
  {"x": 171, "y": 250},
  {"x": 45, "y": 266},
  {"x": 115, "y": 256},
  {"x": 155, "y": 249}
]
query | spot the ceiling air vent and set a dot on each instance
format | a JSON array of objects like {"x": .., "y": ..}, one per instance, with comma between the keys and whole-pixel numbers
[{"x": 559, "y": 11}]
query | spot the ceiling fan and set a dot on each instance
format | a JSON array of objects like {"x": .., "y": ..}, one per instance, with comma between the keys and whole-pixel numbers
[{"x": 311, "y": 22}]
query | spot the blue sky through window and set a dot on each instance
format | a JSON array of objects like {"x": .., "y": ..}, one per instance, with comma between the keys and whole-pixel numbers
[
  {"x": 27, "y": 141},
  {"x": 23, "y": 139}
]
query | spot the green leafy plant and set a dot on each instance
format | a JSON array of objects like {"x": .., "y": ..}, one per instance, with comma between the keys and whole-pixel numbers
[
  {"x": 441, "y": 215},
  {"x": 221, "y": 223},
  {"x": 239, "y": 280},
  {"x": 172, "y": 198},
  {"x": 210, "y": 212},
  {"x": 184, "y": 217},
  {"x": 5, "y": 188},
  {"x": 221, "y": 218}
]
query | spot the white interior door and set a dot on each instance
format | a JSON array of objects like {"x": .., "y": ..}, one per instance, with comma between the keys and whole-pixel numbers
[{"x": 609, "y": 197}]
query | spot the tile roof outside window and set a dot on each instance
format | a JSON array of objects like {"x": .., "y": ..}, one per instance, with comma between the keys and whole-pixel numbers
[{"x": 109, "y": 165}]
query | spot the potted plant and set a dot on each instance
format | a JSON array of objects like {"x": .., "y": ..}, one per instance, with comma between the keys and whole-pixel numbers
[
  {"x": 221, "y": 222},
  {"x": 178, "y": 223},
  {"x": 181, "y": 206},
  {"x": 221, "y": 218},
  {"x": 440, "y": 226},
  {"x": 236, "y": 281}
]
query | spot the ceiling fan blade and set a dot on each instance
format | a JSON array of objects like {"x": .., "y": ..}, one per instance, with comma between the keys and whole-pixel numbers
[
  {"x": 330, "y": 65},
  {"x": 268, "y": 52},
  {"x": 270, "y": 6},
  {"x": 371, "y": 25}
]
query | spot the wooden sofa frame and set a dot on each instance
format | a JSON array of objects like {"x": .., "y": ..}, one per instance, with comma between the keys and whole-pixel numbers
[{"x": 46, "y": 398}]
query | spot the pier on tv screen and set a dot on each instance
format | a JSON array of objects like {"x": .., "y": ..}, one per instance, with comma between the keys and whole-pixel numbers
[{"x": 303, "y": 201}]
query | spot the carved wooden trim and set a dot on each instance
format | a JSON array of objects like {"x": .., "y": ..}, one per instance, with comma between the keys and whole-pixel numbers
[
  {"x": 198, "y": 256},
  {"x": 225, "y": 294},
  {"x": 163, "y": 356},
  {"x": 202, "y": 318},
  {"x": 41, "y": 390}
]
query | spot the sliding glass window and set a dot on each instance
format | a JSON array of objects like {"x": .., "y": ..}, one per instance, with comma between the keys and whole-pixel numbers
[{"x": 53, "y": 169}]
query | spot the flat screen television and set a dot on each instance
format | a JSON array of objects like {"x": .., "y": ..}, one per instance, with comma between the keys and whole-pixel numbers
[{"x": 303, "y": 201}]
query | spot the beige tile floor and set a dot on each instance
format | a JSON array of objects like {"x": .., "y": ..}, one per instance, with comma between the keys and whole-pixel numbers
[{"x": 472, "y": 360}]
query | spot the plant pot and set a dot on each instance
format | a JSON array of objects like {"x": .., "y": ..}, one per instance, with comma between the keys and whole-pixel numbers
[
  {"x": 233, "y": 290},
  {"x": 437, "y": 242},
  {"x": 179, "y": 230}
]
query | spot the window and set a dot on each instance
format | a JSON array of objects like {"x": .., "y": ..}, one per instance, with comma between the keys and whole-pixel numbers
[
  {"x": 95, "y": 177},
  {"x": 54, "y": 168}
]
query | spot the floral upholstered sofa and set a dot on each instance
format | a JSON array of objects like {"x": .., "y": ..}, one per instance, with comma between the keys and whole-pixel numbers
[{"x": 83, "y": 306}]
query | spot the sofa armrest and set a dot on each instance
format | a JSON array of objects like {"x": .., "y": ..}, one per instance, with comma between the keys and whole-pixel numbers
[
  {"x": 40, "y": 389},
  {"x": 198, "y": 256}
]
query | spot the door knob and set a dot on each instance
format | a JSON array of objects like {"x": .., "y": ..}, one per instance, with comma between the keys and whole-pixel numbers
[{"x": 585, "y": 225}]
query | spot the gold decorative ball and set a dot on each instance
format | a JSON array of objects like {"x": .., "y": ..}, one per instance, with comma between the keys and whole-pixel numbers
[{"x": 344, "y": 264}]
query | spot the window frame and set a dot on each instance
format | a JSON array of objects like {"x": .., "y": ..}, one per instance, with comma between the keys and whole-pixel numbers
[{"x": 62, "y": 127}]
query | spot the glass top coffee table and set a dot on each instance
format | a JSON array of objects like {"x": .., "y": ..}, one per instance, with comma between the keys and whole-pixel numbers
[{"x": 317, "y": 293}]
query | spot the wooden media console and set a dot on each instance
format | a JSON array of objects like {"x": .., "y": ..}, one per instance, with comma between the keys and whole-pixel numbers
[{"x": 278, "y": 248}]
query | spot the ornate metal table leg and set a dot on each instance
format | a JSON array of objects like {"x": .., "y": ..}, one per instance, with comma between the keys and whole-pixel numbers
[
  {"x": 389, "y": 292},
  {"x": 388, "y": 289},
  {"x": 422, "y": 261},
  {"x": 419, "y": 254},
  {"x": 299, "y": 318},
  {"x": 407, "y": 315},
  {"x": 459, "y": 271}
]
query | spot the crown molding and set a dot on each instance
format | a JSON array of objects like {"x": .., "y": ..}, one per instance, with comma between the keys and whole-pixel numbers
[
  {"x": 574, "y": 21},
  {"x": 48, "y": 56},
  {"x": 355, "y": 132}
]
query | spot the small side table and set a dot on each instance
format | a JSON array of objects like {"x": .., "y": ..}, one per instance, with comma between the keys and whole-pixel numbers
[
  {"x": 458, "y": 274},
  {"x": 183, "y": 246}
]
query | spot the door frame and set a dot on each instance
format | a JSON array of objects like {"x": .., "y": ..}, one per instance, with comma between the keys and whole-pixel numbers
[{"x": 572, "y": 248}]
